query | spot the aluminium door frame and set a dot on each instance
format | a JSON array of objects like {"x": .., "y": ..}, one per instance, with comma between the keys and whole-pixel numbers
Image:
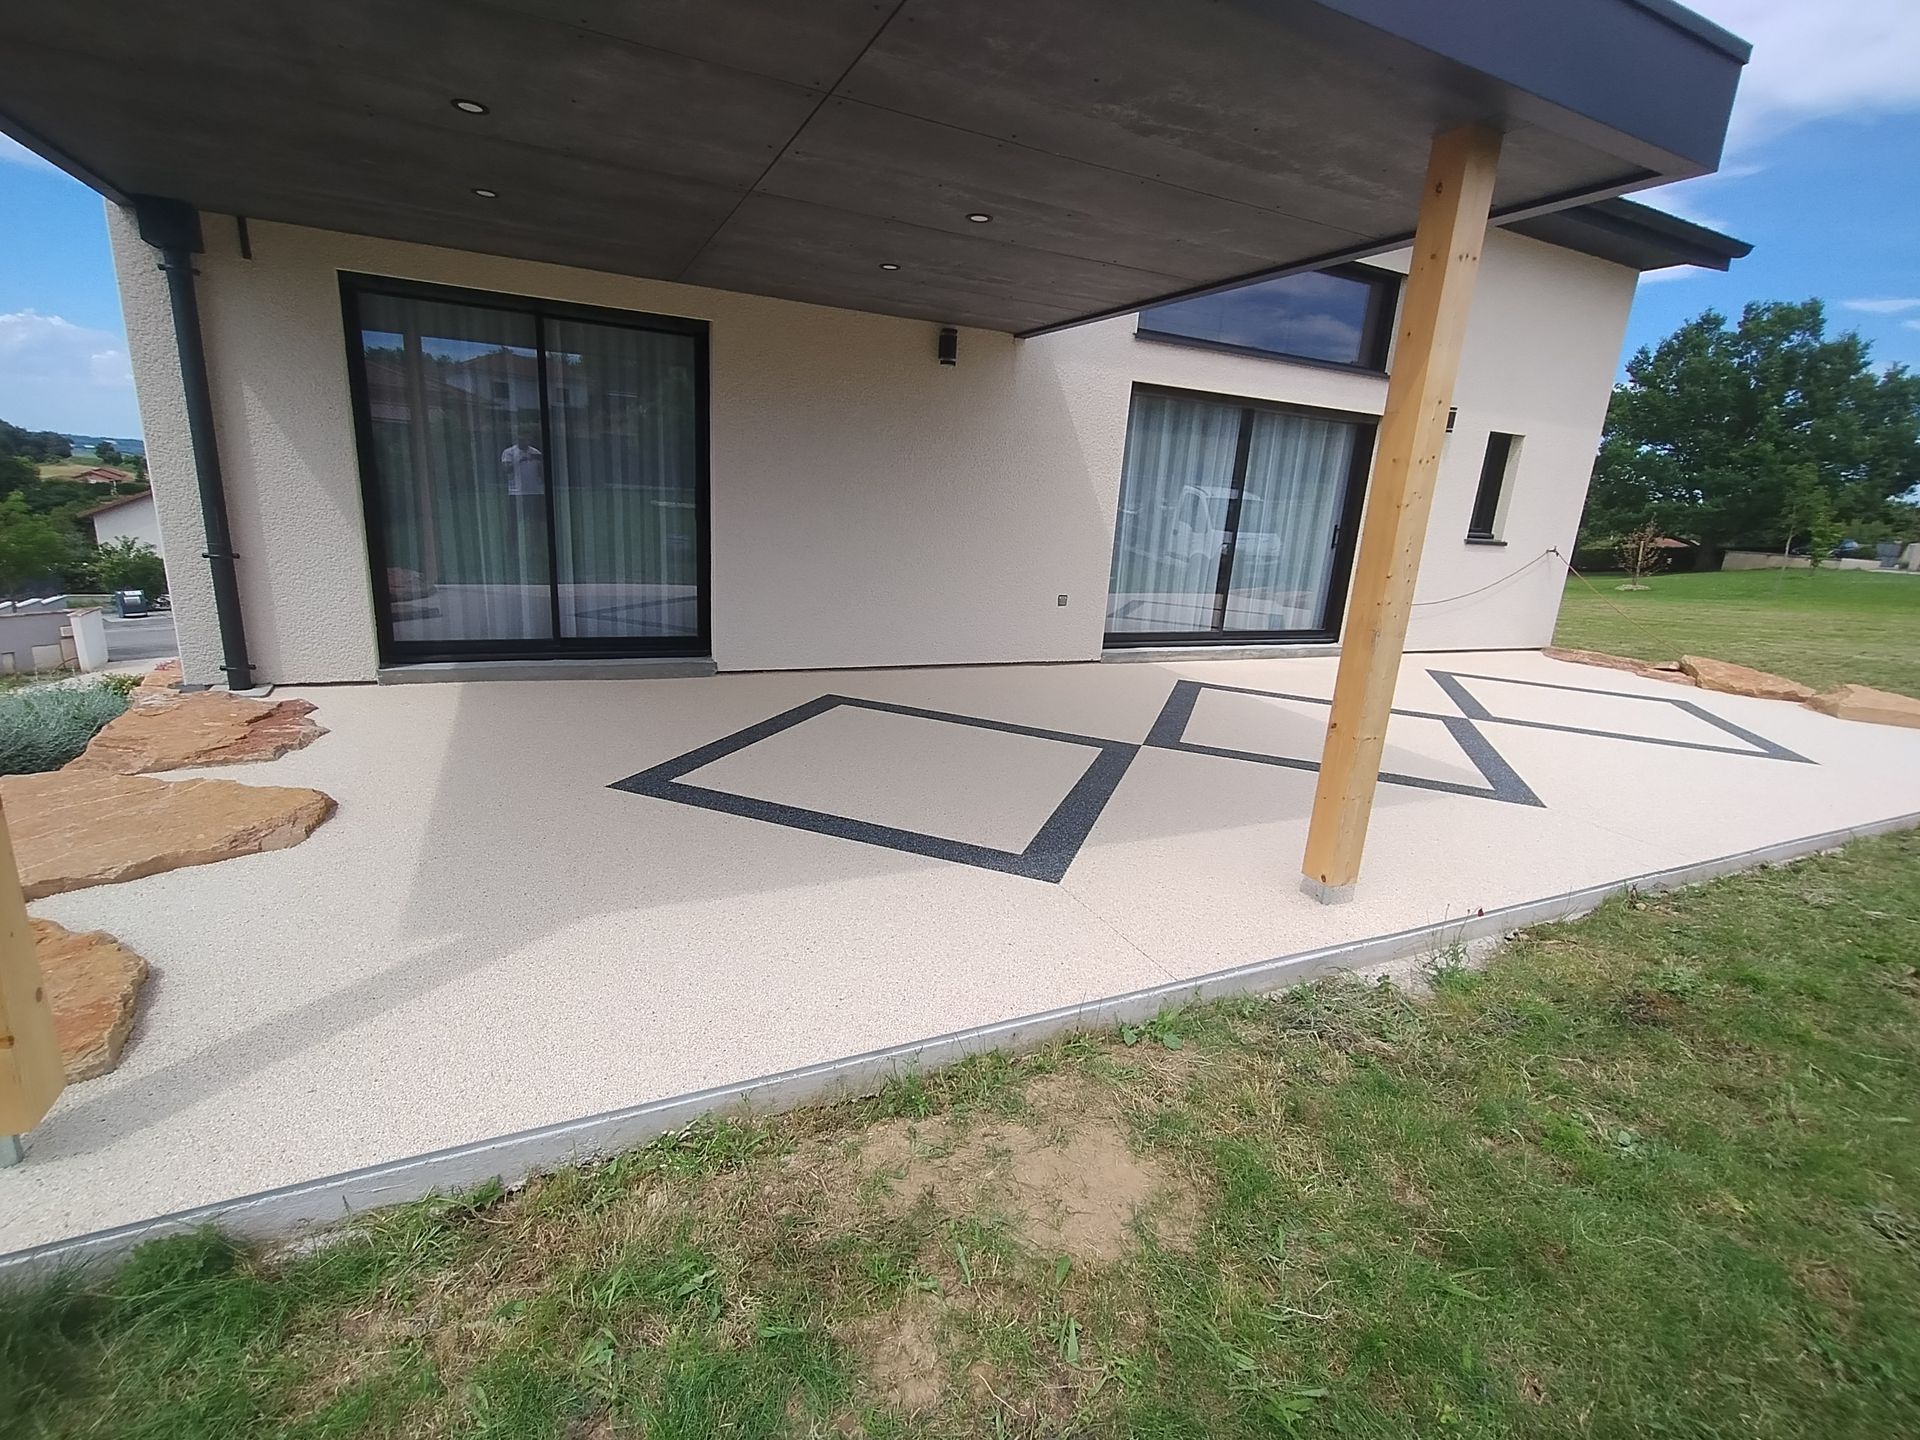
[
  {"x": 354, "y": 284},
  {"x": 1346, "y": 530}
]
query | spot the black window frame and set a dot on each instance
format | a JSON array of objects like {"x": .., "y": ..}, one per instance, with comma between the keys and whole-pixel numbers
[
  {"x": 1346, "y": 534},
  {"x": 1483, "y": 521},
  {"x": 1376, "y": 341},
  {"x": 353, "y": 285}
]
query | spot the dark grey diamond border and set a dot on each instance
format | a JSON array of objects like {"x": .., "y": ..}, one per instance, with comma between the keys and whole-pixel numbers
[
  {"x": 1756, "y": 745},
  {"x": 1053, "y": 849},
  {"x": 1503, "y": 781},
  {"x": 1046, "y": 856}
]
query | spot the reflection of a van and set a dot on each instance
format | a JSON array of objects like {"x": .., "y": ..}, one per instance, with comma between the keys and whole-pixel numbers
[{"x": 1266, "y": 593}]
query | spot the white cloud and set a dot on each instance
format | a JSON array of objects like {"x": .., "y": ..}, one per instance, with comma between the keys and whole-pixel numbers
[
  {"x": 1884, "y": 307},
  {"x": 1911, "y": 324},
  {"x": 1675, "y": 272},
  {"x": 56, "y": 375},
  {"x": 1816, "y": 60}
]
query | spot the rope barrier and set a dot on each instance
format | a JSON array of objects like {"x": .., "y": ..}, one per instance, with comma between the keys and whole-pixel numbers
[{"x": 1553, "y": 553}]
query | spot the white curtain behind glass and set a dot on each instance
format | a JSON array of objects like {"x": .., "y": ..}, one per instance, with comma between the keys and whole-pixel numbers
[
  {"x": 625, "y": 461},
  {"x": 453, "y": 402},
  {"x": 1176, "y": 484},
  {"x": 1297, "y": 469}
]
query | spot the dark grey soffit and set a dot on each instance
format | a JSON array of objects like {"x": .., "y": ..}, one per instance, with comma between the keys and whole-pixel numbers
[
  {"x": 1128, "y": 150},
  {"x": 1635, "y": 235}
]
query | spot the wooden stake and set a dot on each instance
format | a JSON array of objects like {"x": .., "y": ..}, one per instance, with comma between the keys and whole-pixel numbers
[
  {"x": 1433, "y": 324},
  {"x": 31, "y": 1075}
]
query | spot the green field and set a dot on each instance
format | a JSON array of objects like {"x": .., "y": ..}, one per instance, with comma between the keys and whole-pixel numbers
[
  {"x": 1655, "y": 1172},
  {"x": 1821, "y": 627}
]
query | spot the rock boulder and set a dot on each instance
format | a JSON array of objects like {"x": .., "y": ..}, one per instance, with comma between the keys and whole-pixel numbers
[
  {"x": 93, "y": 984},
  {"x": 166, "y": 731}
]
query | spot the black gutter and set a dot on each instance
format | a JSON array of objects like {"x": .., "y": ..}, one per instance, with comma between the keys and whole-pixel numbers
[{"x": 173, "y": 228}]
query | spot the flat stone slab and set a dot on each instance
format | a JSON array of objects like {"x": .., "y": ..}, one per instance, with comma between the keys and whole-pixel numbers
[
  {"x": 167, "y": 731},
  {"x": 1652, "y": 670},
  {"x": 1730, "y": 679},
  {"x": 1863, "y": 702},
  {"x": 72, "y": 829},
  {"x": 93, "y": 986},
  {"x": 163, "y": 679}
]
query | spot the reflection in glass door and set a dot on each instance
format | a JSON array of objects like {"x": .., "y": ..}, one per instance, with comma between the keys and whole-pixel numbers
[
  {"x": 1236, "y": 521},
  {"x": 535, "y": 474}
]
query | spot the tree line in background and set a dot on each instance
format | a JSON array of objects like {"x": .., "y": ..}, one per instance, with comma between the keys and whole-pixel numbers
[
  {"x": 1765, "y": 434},
  {"x": 46, "y": 546}
]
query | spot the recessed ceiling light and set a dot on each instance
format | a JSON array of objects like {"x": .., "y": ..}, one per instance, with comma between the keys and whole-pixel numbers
[
  {"x": 979, "y": 217},
  {"x": 485, "y": 194},
  {"x": 888, "y": 265},
  {"x": 471, "y": 107}
]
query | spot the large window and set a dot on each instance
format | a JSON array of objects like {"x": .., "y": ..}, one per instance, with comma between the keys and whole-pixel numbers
[
  {"x": 1236, "y": 520},
  {"x": 535, "y": 474},
  {"x": 1339, "y": 317}
]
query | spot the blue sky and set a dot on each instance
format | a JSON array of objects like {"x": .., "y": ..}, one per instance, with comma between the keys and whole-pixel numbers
[{"x": 1822, "y": 174}]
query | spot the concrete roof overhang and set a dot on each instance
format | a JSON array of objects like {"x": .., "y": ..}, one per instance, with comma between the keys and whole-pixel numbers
[{"x": 1127, "y": 151}]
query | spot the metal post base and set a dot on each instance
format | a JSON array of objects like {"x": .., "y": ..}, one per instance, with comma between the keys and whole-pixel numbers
[{"x": 12, "y": 1152}]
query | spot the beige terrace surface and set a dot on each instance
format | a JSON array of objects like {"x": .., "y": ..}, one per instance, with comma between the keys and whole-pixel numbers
[{"x": 487, "y": 937}]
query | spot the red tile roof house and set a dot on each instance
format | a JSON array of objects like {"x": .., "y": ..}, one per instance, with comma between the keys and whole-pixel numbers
[
  {"x": 104, "y": 475},
  {"x": 660, "y": 339}
]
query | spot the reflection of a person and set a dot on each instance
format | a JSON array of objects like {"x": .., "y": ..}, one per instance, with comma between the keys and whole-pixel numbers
[
  {"x": 525, "y": 470},
  {"x": 522, "y": 463}
]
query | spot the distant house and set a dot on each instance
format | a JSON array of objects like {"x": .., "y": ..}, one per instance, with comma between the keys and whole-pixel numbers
[
  {"x": 128, "y": 517},
  {"x": 105, "y": 475}
]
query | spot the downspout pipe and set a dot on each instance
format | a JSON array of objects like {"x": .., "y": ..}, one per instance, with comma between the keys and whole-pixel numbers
[{"x": 173, "y": 228}]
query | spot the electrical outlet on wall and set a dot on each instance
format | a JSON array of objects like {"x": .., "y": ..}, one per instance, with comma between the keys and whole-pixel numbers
[{"x": 1061, "y": 601}]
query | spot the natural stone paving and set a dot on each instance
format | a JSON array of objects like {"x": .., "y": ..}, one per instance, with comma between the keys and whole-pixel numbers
[
  {"x": 93, "y": 985},
  {"x": 1863, "y": 702},
  {"x": 167, "y": 731},
  {"x": 1652, "y": 670},
  {"x": 1731, "y": 679},
  {"x": 72, "y": 829}
]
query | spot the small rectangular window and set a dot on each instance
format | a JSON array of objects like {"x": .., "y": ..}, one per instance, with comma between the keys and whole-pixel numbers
[
  {"x": 1342, "y": 316},
  {"x": 1495, "y": 471}
]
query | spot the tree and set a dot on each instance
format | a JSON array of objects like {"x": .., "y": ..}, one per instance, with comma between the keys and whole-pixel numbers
[
  {"x": 1717, "y": 431},
  {"x": 32, "y": 547},
  {"x": 108, "y": 452},
  {"x": 34, "y": 444},
  {"x": 1640, "y": 555},
  {"x": 129, "y": 564}
]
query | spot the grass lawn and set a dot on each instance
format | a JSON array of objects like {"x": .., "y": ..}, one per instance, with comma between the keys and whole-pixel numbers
[
  {"x": 1821, "y": 627},
  {"x": 1651, "y": 1173}
]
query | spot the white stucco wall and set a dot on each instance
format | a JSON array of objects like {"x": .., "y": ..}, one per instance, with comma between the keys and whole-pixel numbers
[
  {"x": 869, "y": 506},
  {"x": 1543, "y": 344},
  {"x": 135, "y": 520}
]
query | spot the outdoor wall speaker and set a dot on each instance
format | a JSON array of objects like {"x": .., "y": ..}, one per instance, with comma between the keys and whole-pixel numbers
[{"x": 949, "y": 345}]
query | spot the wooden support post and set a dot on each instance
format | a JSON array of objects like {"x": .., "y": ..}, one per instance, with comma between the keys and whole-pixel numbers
[
  {"x": 1433, "y": 324},
  {"x": 31, "y": 1075}
]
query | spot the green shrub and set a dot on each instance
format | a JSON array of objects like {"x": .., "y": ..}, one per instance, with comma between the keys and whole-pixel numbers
[{"x": 45, "y": 727}]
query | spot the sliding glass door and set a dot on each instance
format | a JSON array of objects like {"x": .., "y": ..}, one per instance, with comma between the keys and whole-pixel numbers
[
  {"x": 535, "y": 474},
  {"x": 1236, "y": 521}
]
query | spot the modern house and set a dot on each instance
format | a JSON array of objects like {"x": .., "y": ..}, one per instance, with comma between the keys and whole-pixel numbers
[
  {"x": 127, "y": 517},
  {"x": 751, "y": 335},
  {"x": 762, "y": 483}
]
